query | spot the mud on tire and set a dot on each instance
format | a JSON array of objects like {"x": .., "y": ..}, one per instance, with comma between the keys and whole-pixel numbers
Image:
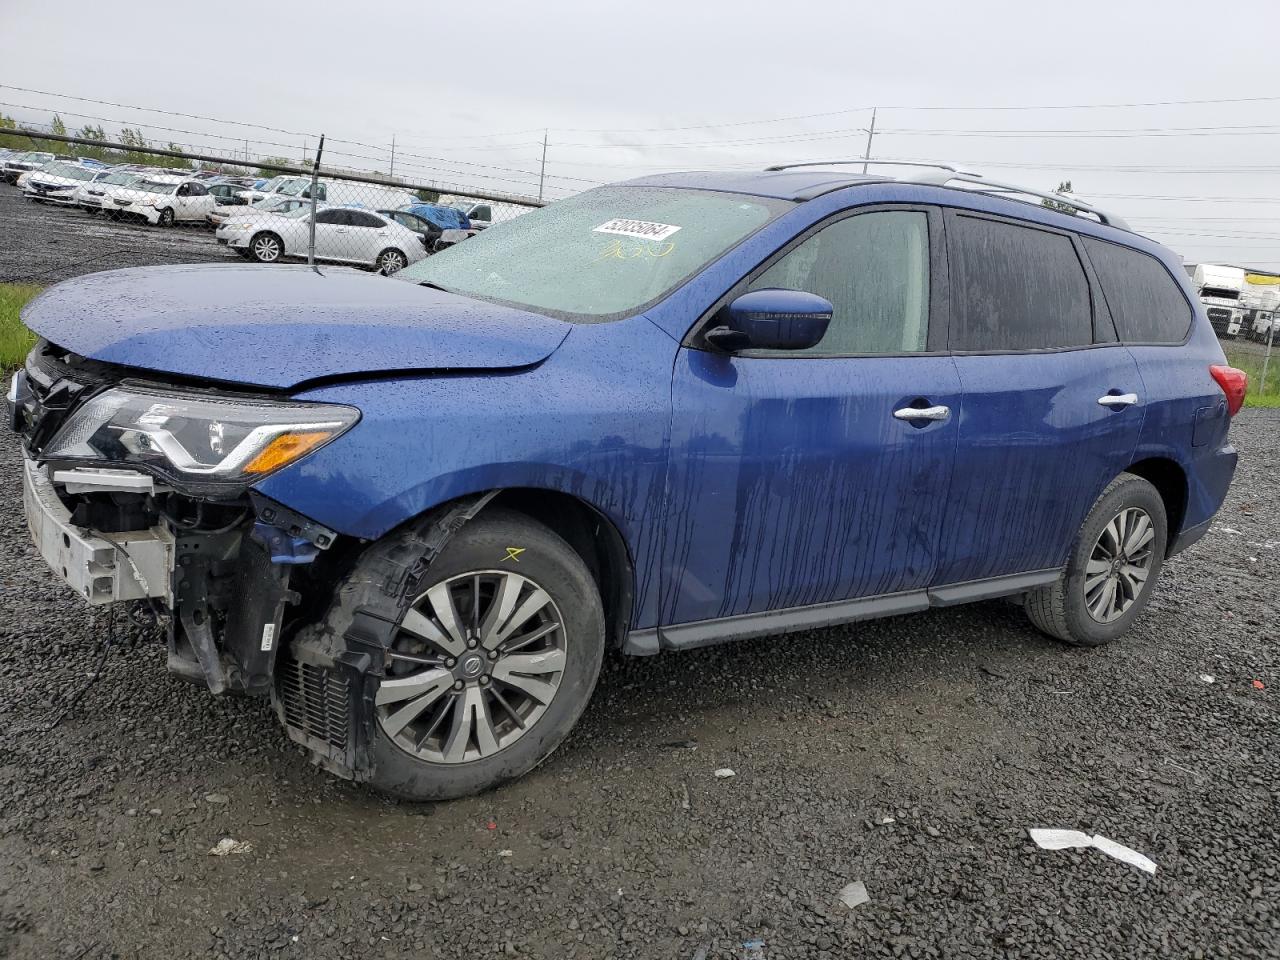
[{"x": 496, "y": 541}]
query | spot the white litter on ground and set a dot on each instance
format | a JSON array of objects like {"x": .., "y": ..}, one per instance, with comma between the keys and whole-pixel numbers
[
  {"x": 854, "y": 895},
  {"x": 227, "y": 846},
  {"x": 1067, "y": 839},
  {"x": 1207, "y": 678},
  {"x": 724, "y": 773}
]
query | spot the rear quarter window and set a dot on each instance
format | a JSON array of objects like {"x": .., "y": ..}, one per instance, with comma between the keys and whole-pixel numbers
[
  {"x": 1145, "y": 302},
  {"x": 1018, "y": 288}
]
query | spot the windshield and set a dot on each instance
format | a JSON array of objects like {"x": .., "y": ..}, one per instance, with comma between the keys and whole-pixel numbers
[
  {"x": 152, "y": 187},
  {"x": 118, "y": 179},
  {"x": 277, "y": 204},
  {"x": 270, "y": 185},
  {"x": 293, "y": 187},
  {"x": 67, "y": 171},
  {"x": 602, "y": 253}
]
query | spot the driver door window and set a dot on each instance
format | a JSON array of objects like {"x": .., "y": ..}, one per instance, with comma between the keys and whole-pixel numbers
[{"x": 874, "y": 268}]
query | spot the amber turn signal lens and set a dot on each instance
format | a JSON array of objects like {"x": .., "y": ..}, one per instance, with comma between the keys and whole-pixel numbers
[{"x": 285, "y": 449}]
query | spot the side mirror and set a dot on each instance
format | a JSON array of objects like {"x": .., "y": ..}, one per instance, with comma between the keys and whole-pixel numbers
[{"x": 772, "y": 319}]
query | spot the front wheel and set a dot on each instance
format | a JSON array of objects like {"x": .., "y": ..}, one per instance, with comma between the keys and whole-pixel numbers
[
  {"x": 166, "y": 217},
  {"x": 493, "y": 659},
  {"x": 1112, "y": 568},
  {"x": 266, "y": 248}
]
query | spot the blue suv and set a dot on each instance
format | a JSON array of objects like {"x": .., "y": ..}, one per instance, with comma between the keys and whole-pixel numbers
[{"x": 658, "y": 415}]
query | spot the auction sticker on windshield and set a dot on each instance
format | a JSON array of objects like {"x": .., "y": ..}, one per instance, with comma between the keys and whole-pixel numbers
[{"x": 640, "y": 229}]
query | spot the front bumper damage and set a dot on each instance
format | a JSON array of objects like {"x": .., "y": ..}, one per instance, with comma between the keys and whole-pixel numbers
[
  {"x": 222, "y": 567},
  {"x": 240, "y": 582},
  {"x": 227, "y": 591}
]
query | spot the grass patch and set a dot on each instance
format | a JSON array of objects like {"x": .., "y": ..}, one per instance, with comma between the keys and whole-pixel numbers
[
  {"x": 15, "y": 339},
  {"x": 1250, "y": 361}
]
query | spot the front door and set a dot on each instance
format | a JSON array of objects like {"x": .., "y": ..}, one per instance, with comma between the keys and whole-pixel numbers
[
  {"x": 1052, "y": 403},
  {"x": 806, "y": 477}
]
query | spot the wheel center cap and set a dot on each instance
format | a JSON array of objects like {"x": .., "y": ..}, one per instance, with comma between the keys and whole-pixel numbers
[{"x": 471, "y": 666}]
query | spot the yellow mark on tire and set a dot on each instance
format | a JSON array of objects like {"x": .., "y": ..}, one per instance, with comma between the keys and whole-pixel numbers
[{"x": 513, "y": 553}]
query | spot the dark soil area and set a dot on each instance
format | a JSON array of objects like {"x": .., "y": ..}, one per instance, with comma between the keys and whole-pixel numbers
[{"x": 911, "y": 754}]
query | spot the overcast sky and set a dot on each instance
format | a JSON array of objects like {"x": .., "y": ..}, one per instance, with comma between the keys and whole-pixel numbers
[{"x": 468, "y": 88}]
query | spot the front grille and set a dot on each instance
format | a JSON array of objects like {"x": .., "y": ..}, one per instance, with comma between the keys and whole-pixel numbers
[
  {"x": 1219, "y": 319},
  {"x": 313, "y": 701}
]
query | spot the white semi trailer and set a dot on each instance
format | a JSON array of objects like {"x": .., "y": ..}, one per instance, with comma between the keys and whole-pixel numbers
[{"x": 1219, "y": 289}]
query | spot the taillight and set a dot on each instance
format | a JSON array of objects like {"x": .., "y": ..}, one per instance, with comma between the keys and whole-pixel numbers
[{"x": 1234, "y": 383}]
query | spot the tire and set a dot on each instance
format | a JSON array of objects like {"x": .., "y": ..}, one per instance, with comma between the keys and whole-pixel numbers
[
  {"x": 1072, "y": 608},
  {"x": 391, "y": 261},
  {"x": 166, "y": 217},
  {"x": 495, "y": 544},
  {"x": 266, "y": 248}
]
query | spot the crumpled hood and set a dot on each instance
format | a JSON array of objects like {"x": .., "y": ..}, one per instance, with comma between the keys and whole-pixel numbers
[{"x": 279, "y": 326}]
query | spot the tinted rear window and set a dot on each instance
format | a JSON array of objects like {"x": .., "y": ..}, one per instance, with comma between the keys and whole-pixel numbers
[
  {"x": 1017, "y": 288},
  {"x": 1145, "y": 301}
]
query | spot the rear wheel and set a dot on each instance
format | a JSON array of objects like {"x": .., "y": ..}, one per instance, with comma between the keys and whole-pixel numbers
[
  {"x": 492, "y": 661},
  {"x": 391, "y": 261},
  {"x": 1112, "y": 569},
  {"x": 266, "y": 248}
]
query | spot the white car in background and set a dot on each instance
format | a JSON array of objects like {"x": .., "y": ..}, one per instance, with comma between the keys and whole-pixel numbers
[
  {"x": 162, "y": 200},
  {"x": 90, "y": 196},
  {"x": 55, "y": 182},
  {"x": 277, "y": 204},
  {"x": 343, "y": 235}
]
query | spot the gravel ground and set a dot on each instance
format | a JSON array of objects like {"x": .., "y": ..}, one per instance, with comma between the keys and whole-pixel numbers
[
  {"x": 43, "y": 243},
  {"x": 964, "y": 726}
]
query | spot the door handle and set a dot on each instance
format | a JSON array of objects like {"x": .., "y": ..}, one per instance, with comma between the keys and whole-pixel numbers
[
  {"x": 922, "y": 413},
  {"x": 1118, "y": 400}
]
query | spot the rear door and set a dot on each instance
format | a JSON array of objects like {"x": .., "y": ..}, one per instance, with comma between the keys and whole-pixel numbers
[
  {"x": 806, "y": 477},
  {"x": 1052, "y": 403},
  {"x": 332, "y": 230},
  {"x": 369, "y": 235}
]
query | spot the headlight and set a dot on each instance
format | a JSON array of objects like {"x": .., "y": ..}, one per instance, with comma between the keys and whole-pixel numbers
[{"x": 197, "y": 439}]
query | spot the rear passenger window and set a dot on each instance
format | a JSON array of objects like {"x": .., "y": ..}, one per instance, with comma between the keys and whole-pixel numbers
[
  {"x": 1017, "y": 288},
  {"x": 1145, "y": 301}
]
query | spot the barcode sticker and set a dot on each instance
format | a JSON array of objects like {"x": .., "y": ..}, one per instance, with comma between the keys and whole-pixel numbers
[
  {"x": 640, "y": 229},
  {"x": 268, "y": 636}
]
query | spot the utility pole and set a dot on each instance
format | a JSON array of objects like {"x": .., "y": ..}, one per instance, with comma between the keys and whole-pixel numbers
[
  {"x": 870, "y": 134},
  {"x": 393, "y": 155},
  {"x": 542, "y": 175}
]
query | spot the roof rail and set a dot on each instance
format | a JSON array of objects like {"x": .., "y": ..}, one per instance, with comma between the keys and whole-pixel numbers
[{"x": 949, "y": 173}]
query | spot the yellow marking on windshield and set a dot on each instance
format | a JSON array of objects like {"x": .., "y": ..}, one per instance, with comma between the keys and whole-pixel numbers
[{"x": 620, "y": 250}]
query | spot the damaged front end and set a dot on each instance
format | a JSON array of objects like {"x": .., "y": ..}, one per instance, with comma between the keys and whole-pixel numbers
[{"x": 138, "y": 490}]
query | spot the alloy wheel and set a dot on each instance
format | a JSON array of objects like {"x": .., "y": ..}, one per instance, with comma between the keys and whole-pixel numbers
[
  {"x": 1120, "y": 565},
  {"x": 391, "y": 262},
  {"x": 475, "y": 663},
  {"x": 266, "y": 249}
]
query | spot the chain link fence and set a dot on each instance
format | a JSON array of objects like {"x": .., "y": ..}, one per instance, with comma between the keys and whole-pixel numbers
[{"x": 106, "y": 204}]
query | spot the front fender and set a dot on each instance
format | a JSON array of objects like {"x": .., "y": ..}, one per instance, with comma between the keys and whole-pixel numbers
[{"x": 591, "y": 421}]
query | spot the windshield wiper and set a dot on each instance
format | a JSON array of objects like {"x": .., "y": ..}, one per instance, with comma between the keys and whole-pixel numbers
[{"x": 434, "y": 286}]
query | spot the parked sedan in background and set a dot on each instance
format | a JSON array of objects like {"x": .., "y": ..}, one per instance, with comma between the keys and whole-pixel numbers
[
  {"x": 343, "y": 235},
  {"x": 56, "y": 182},
  {"x": 162, "y": 200},
  {"x": 21, "y": 163},
  {"x": 90, "y": 196},
  {"x": 221, "y": 213}
]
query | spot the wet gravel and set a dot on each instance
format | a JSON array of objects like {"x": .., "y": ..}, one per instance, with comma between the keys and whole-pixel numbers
[
  {"x": 45, "y": 243},
  {"x": 910, "y": 754}
]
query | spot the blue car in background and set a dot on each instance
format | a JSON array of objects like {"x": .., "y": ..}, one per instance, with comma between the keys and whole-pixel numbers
[
  {"x": 662, "y": 414},
  {"x": 446, "y": 218}
]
